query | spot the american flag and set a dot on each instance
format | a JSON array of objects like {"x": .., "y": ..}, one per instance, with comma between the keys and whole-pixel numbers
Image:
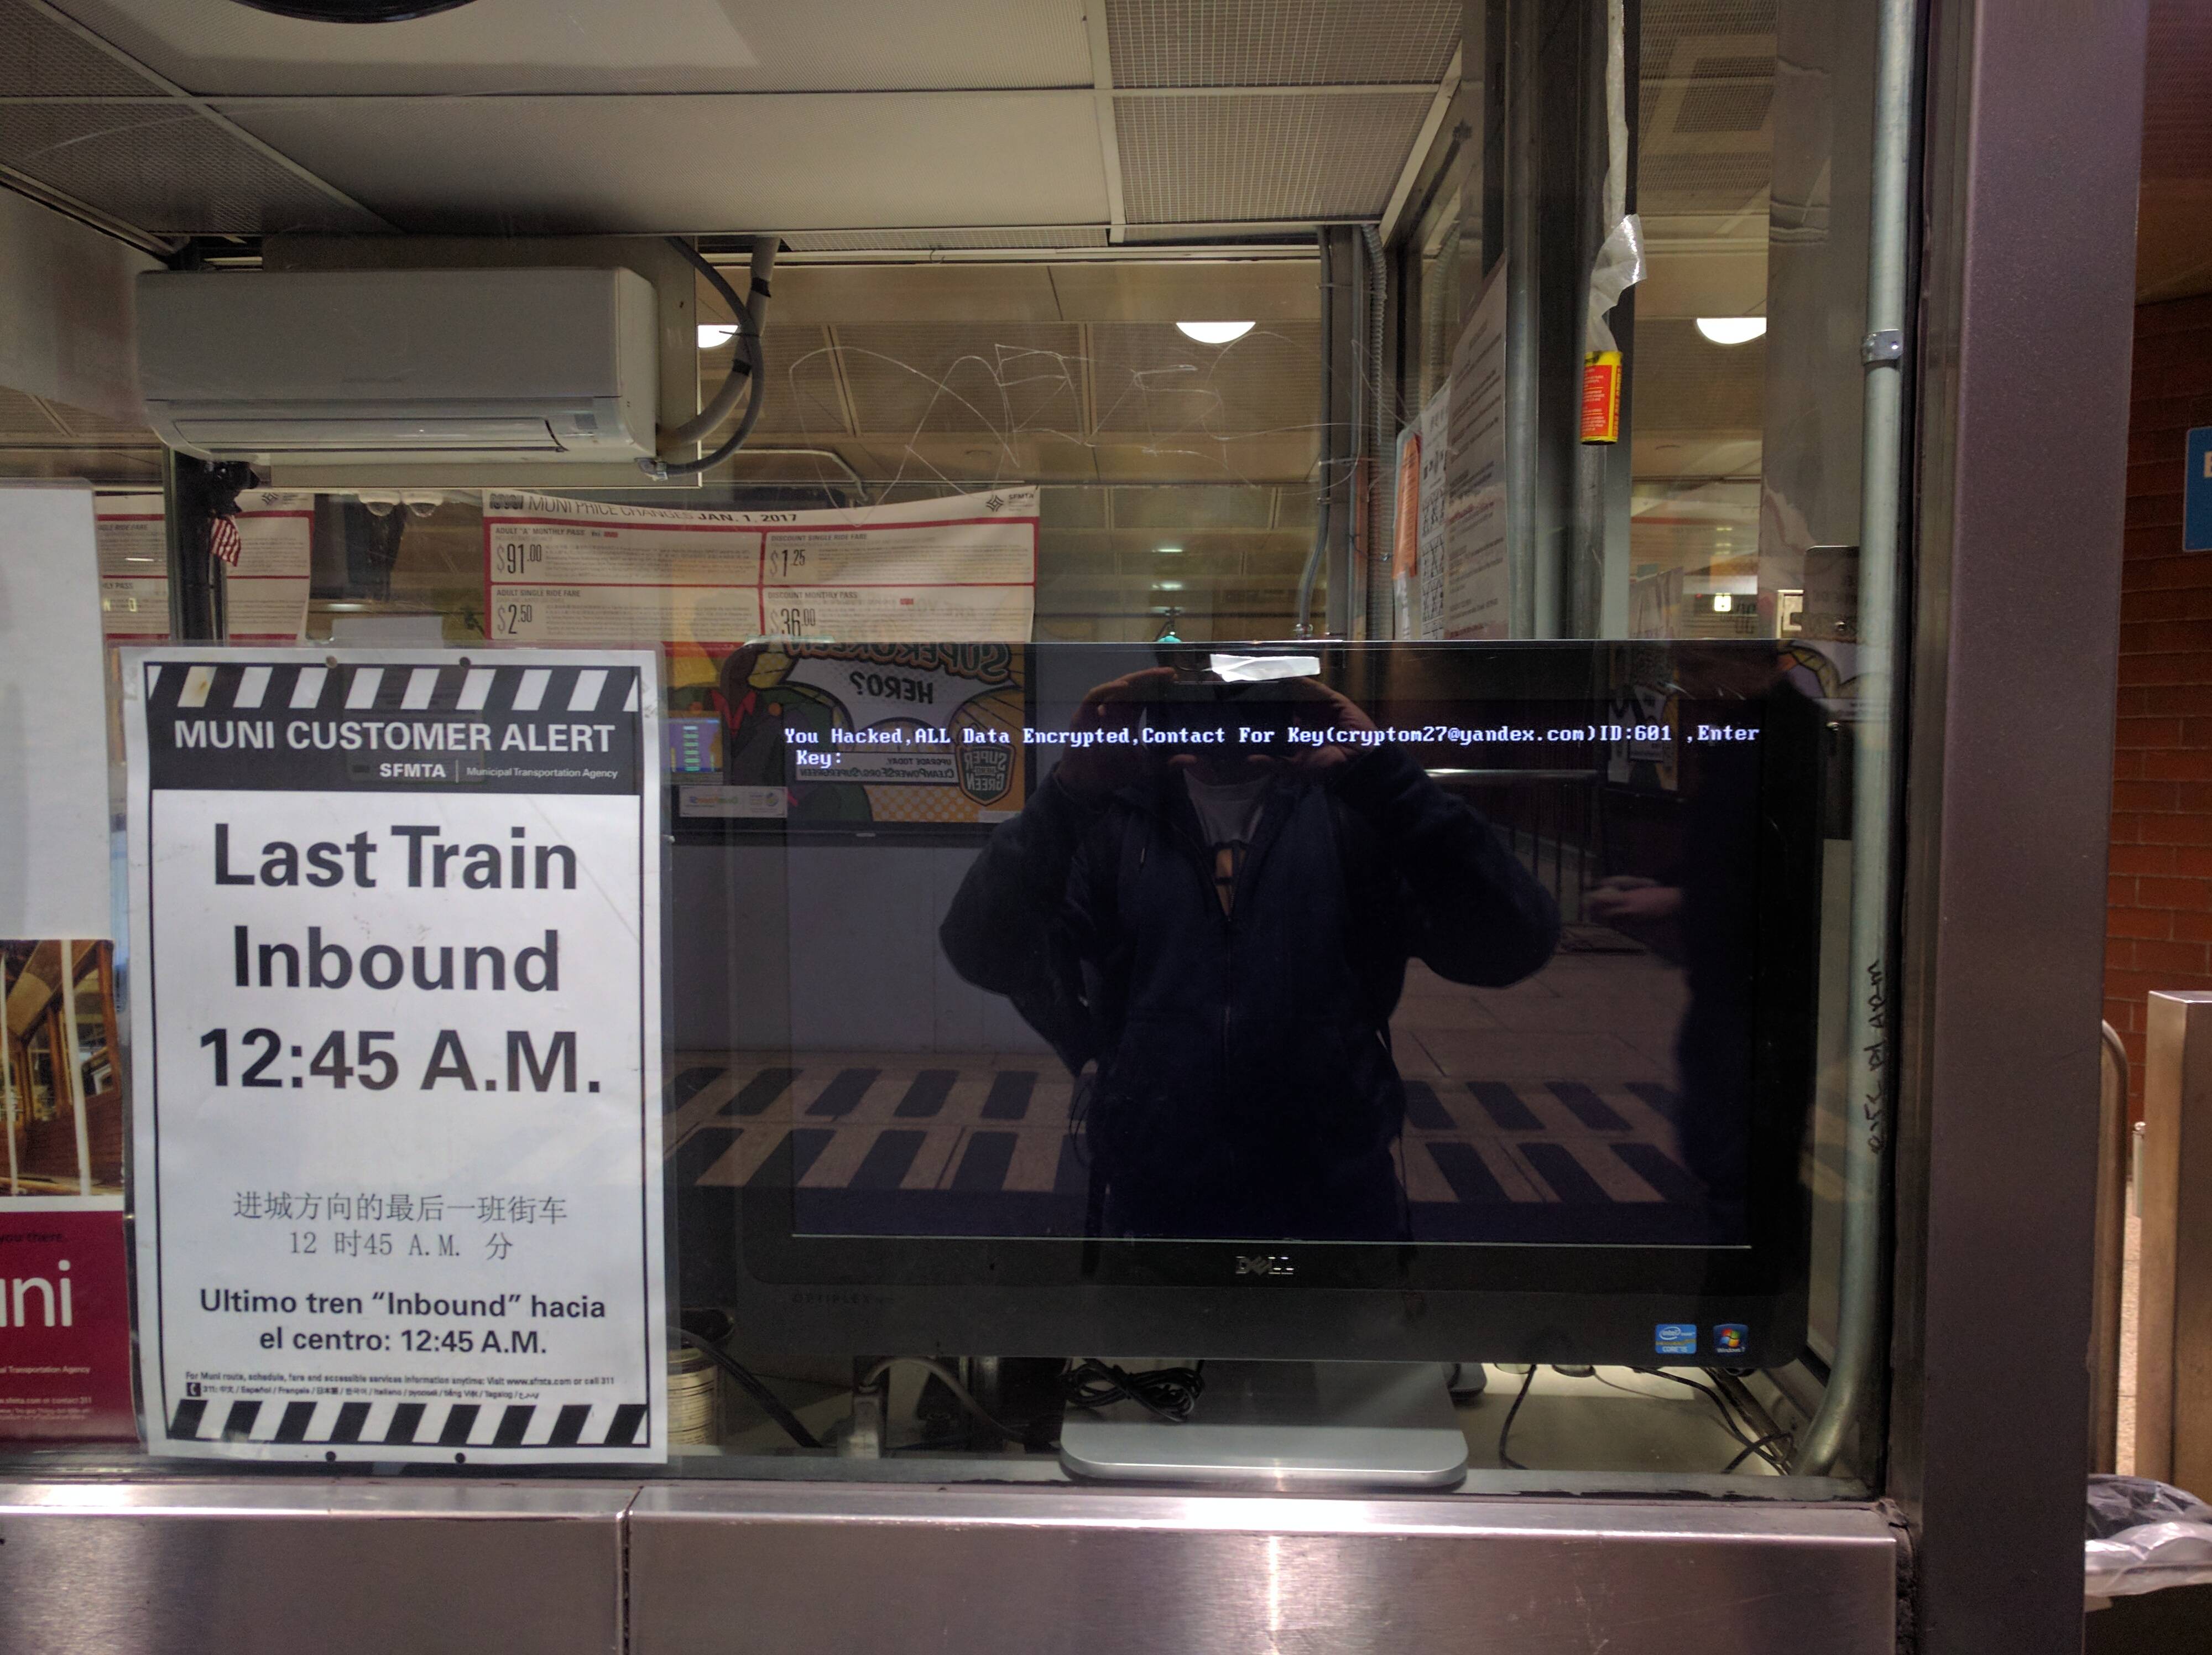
[{"x": 222, "y": 540}]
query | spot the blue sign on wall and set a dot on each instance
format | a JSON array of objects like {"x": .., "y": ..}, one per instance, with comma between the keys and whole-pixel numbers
[{"x": 2196, "y": 493}]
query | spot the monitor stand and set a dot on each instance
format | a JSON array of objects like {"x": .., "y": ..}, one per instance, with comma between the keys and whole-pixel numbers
[{"x": 1285, "y": 1425}]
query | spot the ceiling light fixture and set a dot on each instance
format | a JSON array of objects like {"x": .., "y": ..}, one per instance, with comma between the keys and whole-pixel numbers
[
  {"x": 1214, "y": 332},
  {"x": 1168, "y": 551},
  {"x": 713, "y": 336},
  {"x": 1167, "y": 586},
  {"x": 1732, "y": 330},
  {"x": 353, "y": 11}
]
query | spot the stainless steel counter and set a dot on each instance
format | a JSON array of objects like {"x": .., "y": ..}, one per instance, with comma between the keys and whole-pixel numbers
[{"x": 255, "y": 1566}]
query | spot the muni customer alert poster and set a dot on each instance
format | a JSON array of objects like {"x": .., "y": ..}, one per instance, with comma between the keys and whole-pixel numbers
[{"x": 396, "y": 992}]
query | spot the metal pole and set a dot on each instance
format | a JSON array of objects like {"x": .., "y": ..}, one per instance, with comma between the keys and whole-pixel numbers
[
  {"x": 7, "y": 1086},
  {"x": 2113, "y": 1141},
  {"x": 1852, "y": 1379},
  {"x": 1534, "y": 613},
  {"x": 196, "y": 593},
  {"x": 69, "y": 1058},
  {"x": 1302, "y": 614}
]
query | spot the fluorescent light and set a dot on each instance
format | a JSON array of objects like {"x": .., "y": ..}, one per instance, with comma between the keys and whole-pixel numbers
[
  {"x": 1167, "y": 586},
  {"x": 1168, "y": 551},
  {"x": 1732, "y": 330},
  {"x": 1214, "y": 332},
  {"x": 714, "y": 335}
]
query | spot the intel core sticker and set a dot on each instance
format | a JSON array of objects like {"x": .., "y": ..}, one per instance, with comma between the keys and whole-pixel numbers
[{"x": 1675, "y": 1339}]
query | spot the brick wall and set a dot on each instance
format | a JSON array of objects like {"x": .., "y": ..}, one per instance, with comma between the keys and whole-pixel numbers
[{"x": 2159, "y": 924}]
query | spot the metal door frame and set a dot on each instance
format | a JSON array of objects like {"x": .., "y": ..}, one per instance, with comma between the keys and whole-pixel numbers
[{"x": 2032, "y": 125}]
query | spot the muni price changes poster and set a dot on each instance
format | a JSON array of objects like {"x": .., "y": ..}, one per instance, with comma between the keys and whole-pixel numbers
[{"x": 397, "y": 1010}]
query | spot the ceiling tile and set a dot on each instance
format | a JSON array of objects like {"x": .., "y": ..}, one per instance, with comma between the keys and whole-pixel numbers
[
  {"x": 216, "y": 46},
  {"x": 680, "y": 163},
  {"x": 1013, "y": 236},
  {"x": 1154, "y": 43},
  {"x": 1152, "y": 382},
  {"x": 1006, "y": 379},
  {"x": 22, "y": 416},
  {"x": 1681, "y": 381},
  {"x": 801, "y": 385},
  {"x": 166, "y": 169},
  {"x": 40, "y": 58},
  {"x": 1205, "y": 160}
]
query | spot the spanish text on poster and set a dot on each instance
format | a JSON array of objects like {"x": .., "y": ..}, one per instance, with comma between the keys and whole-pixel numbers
[{"x": 398, "y": 1009}]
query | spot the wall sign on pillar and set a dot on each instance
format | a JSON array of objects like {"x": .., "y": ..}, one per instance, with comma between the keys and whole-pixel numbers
[
  {"x": 396, "y": 1101},
  {"x": 2197, "y": 492}
]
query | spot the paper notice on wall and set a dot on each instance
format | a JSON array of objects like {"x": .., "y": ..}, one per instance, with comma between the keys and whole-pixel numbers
[
  {"x": 396, "y": 1088},
  {"x": 1436, "y": 453},
  {"x": 53, "y": 717},
  {"x": 1417, "y": 573},
  {"x": 133, "y": 548},
  {"x": 265, "y": 597},
  {"x": 1477, "y": 597},
  {"x": 961, "y": 570}
]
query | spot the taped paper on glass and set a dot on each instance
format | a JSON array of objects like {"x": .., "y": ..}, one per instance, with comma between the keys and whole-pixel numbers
[
  {"x": 395, "y": 1097},
  {"x": 959, "y": 570},
  {"x": 133, "y": 567},
  {"x": 1477, "y": 584}
]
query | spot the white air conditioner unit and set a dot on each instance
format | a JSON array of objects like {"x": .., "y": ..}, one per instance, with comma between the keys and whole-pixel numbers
[{"x": 360, "y": 366}]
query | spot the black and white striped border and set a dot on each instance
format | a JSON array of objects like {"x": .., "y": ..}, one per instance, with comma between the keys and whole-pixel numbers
[
  {"x": 392, "y": 1423},
  {"x": 246, "y": 686}
]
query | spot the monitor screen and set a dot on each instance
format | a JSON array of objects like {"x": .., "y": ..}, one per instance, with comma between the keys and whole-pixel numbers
[{"x": 1461, "y": 957}]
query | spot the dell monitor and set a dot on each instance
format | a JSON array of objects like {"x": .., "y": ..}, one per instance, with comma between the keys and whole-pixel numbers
[{"x": 1384, "y": 1003}]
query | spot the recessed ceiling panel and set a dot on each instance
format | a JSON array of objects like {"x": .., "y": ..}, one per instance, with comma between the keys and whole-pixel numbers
[
  {"x": 22, "y": 416},
  {"x": 802, "y": 399},
  {"x": 1669, "y": 185},
  {"x": 1279, "y": 42},
  {"x": 166, "y": 169},
  {"x": 609, "y": 45},
  {"x": 1278, "y": 156},
  {"x": 1014, "y": 235},
  {"x": 1010, "y": 380},
  {"x": 40, "y": 59},
  {"x": 1665, "y": 26},
  {"x": 578, "y": 165},
  {"x": 1681, "y": 381},
  {"x": 1153, "y": 382}
]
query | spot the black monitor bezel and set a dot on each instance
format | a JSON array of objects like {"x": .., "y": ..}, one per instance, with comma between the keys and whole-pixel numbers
[{"x": 1502, "y": 1300}]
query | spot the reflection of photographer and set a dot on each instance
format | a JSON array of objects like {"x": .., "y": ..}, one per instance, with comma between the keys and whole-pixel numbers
[{"x": 1221, "y": 920}]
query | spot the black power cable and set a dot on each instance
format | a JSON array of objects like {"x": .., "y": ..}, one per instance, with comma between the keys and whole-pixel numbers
[
  {"x": 1167, "y": 1393},
  {"x": 770, "y": 1404},
  {"x": 1730, "y": 1421},
  {"x": 1506, "y": 1429}
]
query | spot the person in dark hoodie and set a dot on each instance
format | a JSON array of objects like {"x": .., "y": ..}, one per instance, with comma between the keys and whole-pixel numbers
[{"x": 1224, "y": 930}]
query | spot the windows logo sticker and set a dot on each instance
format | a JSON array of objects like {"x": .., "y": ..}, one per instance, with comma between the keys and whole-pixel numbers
[
  {"x": 1729, "y": 1338},
  {"x": 1675, "y": 1339}
]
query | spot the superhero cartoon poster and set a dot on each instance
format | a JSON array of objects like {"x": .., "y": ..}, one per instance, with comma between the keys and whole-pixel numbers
[{"x": 853, "y": 734}]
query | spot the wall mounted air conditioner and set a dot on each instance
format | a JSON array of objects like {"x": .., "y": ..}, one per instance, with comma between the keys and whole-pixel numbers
[{"x": 360, "y": 366}]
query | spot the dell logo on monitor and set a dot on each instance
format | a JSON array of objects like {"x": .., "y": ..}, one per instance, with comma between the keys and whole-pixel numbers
[{"x": 1265, "y": 1264}]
